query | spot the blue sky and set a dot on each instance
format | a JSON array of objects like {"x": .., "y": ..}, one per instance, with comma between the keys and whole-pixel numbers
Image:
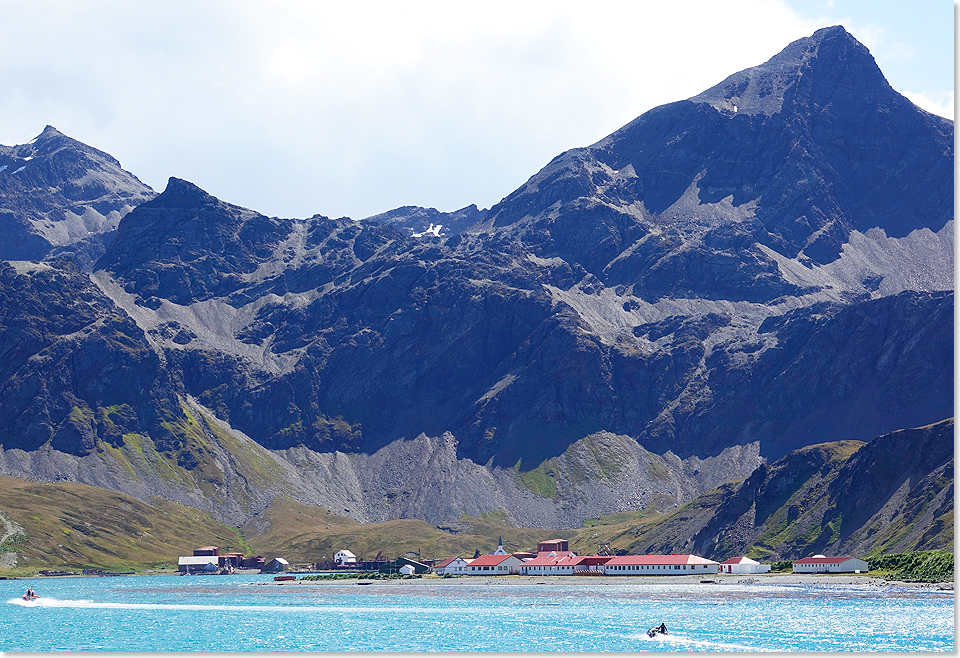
[
  {"x": 297, "y": 107},
  {"x": 913, "y": 43}
]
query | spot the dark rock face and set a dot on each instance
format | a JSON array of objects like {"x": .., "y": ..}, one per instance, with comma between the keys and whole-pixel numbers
[
  {"x": 769, "y": 261},
  {"x": 187, "y": 246},
  {"x": 893, "y": 494},
  {"x": 75, "y": 369},
  {"x": 793, "y": 155},
  {"x": 61, "y": 197}
]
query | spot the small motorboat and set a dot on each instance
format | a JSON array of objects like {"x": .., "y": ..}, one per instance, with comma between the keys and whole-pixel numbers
[
  {"x": 30, "y": 597},
  {"x": 658, "y": 630}
]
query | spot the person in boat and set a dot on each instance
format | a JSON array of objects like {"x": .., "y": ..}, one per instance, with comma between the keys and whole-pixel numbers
[
  {"x": 658, "y": 630},
  {"x": 30, "y": 594}
]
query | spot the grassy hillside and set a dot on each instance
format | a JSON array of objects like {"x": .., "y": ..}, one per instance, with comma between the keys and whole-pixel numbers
[
  {"x": 65, "y": 524},
  {"x": 74, "y": 526}
]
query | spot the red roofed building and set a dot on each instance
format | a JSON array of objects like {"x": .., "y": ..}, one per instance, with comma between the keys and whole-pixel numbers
[
  {"x": 550, "y": 563},
  {"x": 658, "y": 565},
  {"x": 821, "y": 564},
  {"x": 494, "y": 565},
  {"x": 590, "y": 565}
]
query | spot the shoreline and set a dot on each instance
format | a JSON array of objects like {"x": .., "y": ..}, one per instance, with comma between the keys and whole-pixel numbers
[
  {"x": 706, "y": 580},
  {"x": 718, "y": 580}
]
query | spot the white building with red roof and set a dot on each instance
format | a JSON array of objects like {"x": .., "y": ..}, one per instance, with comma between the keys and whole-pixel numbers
[
  {"x": 494, "y": 565},
  {"x": 821, "y": 564},
  {"x": 743, "y": 565},
  {"x": 659, "y": 565},
  {"x": 550, "y": 563},
  {"x": 456, "y": 566}
]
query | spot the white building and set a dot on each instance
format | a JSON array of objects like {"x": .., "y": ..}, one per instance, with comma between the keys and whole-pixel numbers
[
  {"x": 452, "y": 565},
  {"x": 197, "y": 563},
  {"x": 345, "y": 557},
  {"x": 659, "y": 565},
  {"x": 821, "y": 564},
  {"x": 743, "y": 565},
  {"x": 408, "y": 570}
]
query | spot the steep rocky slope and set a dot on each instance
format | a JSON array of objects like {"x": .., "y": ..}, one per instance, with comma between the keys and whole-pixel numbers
[
  {"x": 59, "y": 196},
  {"x": 761, "y": 267},
  {"x": 893, "y": 494}
]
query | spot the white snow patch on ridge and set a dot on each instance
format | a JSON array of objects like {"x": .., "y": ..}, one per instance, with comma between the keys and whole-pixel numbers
[{"x": 433, "y": 230}]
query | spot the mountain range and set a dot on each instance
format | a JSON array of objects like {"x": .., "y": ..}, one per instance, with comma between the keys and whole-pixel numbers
[{"x": 712, "y": 289}]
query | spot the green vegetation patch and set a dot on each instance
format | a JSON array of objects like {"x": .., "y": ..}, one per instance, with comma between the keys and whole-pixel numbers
[
  {"x": 13, "y": 543},
  {"x": 918, "y": 567},
  {"x": 373, "y": 575},
  {"x": 613, "y": 519},
  {"x": 541, "y": 480}
]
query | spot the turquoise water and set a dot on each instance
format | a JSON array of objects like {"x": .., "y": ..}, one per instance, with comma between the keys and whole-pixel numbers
[{"x": 251, "y": 613}]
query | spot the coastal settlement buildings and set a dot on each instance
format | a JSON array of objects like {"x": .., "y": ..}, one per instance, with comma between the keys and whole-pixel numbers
[
  {"x": 494, "y": 565},
  {"x": 209, "y": 559},
  {"x": 553, "y": 558},
  {"x": 344, "y": 557},
  {"x": 455, "y": 566}
]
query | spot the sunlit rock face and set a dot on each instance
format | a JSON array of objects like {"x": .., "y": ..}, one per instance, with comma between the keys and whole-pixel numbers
[
  {"x": 769, "y": 263},
  {"x": 59, "y": 196}
]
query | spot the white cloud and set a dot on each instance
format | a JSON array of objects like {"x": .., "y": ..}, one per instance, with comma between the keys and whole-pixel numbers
[
  {"x": 941, "y": 104},
  {"x": 297, "y": 107}
]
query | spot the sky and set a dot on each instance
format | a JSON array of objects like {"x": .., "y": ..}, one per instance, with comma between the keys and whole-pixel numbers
[{"x": 295, "y": 108}]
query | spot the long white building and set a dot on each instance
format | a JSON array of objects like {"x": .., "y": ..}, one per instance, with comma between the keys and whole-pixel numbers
[{"x": 658, "y": 565}]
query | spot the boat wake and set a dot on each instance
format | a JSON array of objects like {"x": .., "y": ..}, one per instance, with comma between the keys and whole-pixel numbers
[
  {"x": 49, "y": 602},
  {"x": 674, "y": 642}
]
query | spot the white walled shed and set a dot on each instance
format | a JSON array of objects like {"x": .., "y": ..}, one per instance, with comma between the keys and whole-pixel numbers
[
  {"x": 743, "y": 565},
  {"x": 822, "y": 564},
  {"x": 345, "y": 557}
]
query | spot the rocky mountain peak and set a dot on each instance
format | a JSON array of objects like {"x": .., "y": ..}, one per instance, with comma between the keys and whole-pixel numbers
[
  {"x": 61, "y": 197},
  {"x": 831, "y": 53},
  {"x": 180, "y": 193}
]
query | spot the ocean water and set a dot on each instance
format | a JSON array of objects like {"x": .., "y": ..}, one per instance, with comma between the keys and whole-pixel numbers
[{"x": 252, "y": 613}]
